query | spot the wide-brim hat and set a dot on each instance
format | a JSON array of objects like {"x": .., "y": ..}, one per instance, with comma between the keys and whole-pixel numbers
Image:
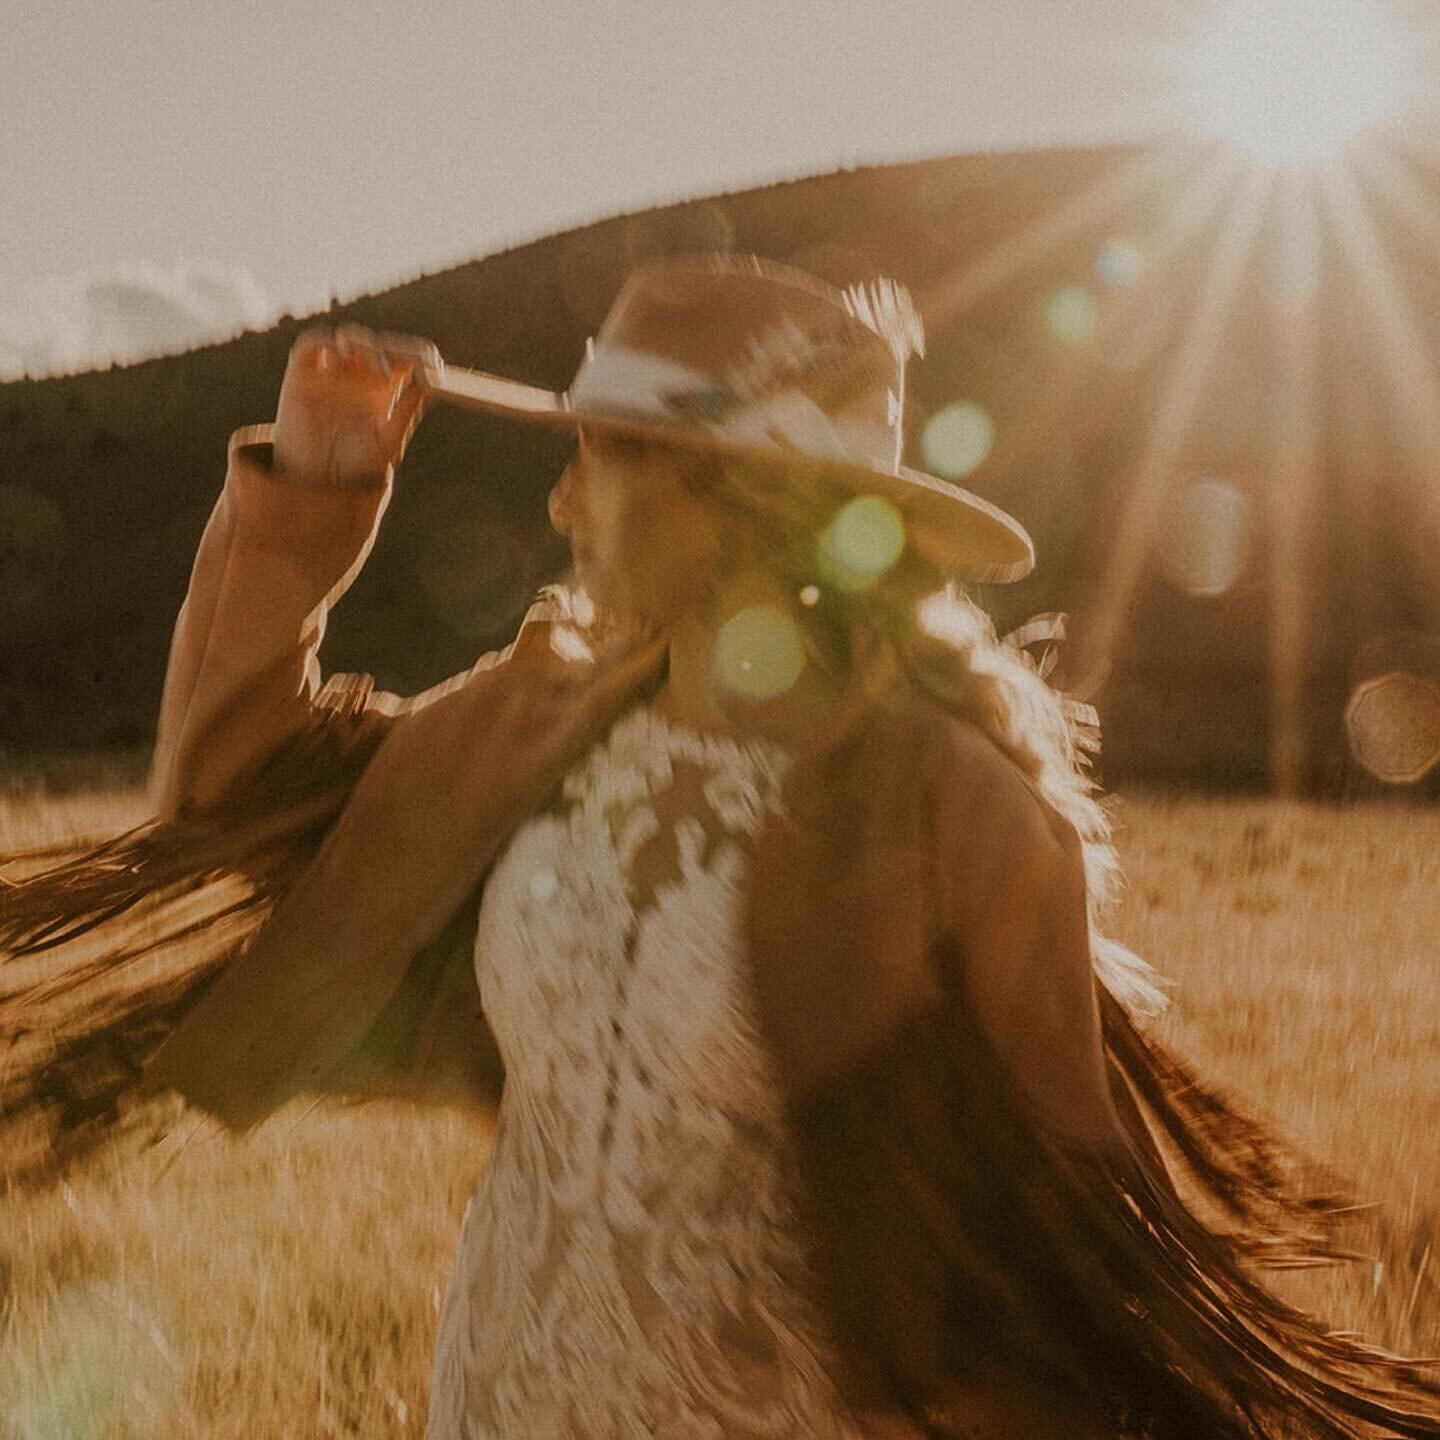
[{"x": 736, "y": 355}]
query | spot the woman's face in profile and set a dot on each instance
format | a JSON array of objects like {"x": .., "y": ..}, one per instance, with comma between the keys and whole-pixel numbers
[{"x": 644, "y": 545}]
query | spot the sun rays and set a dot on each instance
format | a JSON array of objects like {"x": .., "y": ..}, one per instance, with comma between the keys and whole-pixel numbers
[
  {"x": 1296, "y": 211},
  {"x": 1173, "y": 426},
  {"x": 1017, "y": 254},
  {"x": 1293, "y": 455},
  {"x": 1288, "y": 255}
]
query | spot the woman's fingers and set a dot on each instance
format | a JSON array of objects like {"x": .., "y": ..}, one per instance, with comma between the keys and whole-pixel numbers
[
  {"x": 350, "y": 403},
  {"x": 404, "y": 356},
  {"x": 405, "y": 414},
  {"x": 413, "y": 350},
  {"x": 379, "y": 364},
  {"x": 357, "y": 349},
  {"x": 384, "y": 350},
  {"x": 313, "y": 350},
  {"x": 359, "y": 353},
  {"x": 311, "y": 338}
]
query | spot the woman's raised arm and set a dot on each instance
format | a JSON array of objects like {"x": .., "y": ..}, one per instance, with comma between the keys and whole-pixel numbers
[{"x": 295, "y": 521}]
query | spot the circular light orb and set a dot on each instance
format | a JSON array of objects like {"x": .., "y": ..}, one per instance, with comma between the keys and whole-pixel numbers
[
  {"x": 957, "y": 439},
  {"x": 1392, "y": 723},
  {"x": 759, "y": 653},
  {"x": 863, "y": 540},
  {"x": 1119, "y": 262},
  {"x": 543, "y": 885},
  {"x": 83, "y": 1364},
  {"x": 1206, "y": 537},
  {"x": 1071, "y": 314},
  {"x": 810, "y": 596},
  {"x": 1291, "y": 83}
]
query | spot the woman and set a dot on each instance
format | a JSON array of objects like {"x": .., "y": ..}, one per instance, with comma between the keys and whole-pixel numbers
[{"x": 822, "y": 1110}]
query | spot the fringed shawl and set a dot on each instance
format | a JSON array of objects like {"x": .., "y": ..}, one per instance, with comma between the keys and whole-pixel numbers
[
  {"x": 972, "y": 1237},
  {"x": 103, "y": 954}
]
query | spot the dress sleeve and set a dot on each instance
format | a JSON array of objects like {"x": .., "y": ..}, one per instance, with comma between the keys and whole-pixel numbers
[{"x": 1013, "y": 910}]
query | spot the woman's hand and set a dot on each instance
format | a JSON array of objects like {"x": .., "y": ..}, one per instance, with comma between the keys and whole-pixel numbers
[{"x": 349, "y": 405}]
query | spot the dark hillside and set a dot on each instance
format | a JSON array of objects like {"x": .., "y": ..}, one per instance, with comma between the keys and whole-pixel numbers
[{"x": 1064, "y": 292}]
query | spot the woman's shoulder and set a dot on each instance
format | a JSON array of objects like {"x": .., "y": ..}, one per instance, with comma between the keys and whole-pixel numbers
[{"x": 975, "y": 786}]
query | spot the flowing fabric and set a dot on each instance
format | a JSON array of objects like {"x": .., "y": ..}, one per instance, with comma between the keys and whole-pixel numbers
[
  {"x": 959, "y": 1243},
  {"x": 103, "y": 954},
  {"x": 1001, "y": 1253}
]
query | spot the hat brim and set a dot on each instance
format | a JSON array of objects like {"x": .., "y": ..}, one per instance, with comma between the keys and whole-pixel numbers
[{"x": 960, "y": 532}]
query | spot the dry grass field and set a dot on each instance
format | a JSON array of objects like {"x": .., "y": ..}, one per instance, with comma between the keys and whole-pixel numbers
[{"x": 288, "y": 1285}]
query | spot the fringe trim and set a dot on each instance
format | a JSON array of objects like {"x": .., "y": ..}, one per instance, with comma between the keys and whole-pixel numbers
[
  {"x": 102, "y": 955},
  {"x": 959, "y": 1245}
]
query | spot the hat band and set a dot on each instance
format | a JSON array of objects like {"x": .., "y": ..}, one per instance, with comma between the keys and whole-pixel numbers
[{"x": 634, "y": 384}]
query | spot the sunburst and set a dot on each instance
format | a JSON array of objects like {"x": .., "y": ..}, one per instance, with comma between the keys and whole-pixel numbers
[
  {"x": 1301, "y": 101},
  {"x": 1302, "y": 97},
  {"x": 1295, "y": 84}
]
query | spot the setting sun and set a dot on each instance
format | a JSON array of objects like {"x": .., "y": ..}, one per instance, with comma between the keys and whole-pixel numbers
[{"x": 1291, "y": 84}]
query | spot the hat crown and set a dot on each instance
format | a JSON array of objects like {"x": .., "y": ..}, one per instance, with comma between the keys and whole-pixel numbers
[{"x": 751, "y": 351}]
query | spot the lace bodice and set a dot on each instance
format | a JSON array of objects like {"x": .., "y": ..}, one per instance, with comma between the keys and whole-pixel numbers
[{"x": 629, "y": 1265}]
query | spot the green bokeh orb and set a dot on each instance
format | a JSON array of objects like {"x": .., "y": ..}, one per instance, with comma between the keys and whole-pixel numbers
[
  {"x": 1119, "y": 262},
  {"x": 1072, "y": 315},
  {"x": 759, "y": 653},
  {"x": 957, "y": 439},
  {"x": 864, "y": 540}
]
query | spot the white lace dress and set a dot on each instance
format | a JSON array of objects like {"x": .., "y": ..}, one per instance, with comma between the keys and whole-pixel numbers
[{"x": 629, "y": 1265}]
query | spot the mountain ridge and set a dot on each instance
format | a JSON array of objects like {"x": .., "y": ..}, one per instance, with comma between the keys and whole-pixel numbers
[{"x": 107, "y": 476}]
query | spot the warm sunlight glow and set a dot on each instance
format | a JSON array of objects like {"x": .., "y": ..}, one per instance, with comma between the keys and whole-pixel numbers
[
  {"x": 1119, "y": 262},
  {"x": 1292, "y": 83},
  {"x": 1205, "y": 537}
]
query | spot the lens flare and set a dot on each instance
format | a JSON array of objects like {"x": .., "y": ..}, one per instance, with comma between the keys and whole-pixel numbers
[
  {"x": 95, "y": 1352},
  {"x": 957, "y": 439},
  {"x": 1291, "y": 83},
  {"x": 1206, "y": 537},
  {"x": 1071, "y": 314},
  {"x": 865, "y": 538},
  {"x": 543, "y": 885},
  {"x": 1392, "y": 722},
  {"x": 759, "y": 653},
  {"x": 1119, "y": 262}
]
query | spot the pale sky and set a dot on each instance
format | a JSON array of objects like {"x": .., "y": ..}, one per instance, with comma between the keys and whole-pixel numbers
[{"x": 235, "y": 160}]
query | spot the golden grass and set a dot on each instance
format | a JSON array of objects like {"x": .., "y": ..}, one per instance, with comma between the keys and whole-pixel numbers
[
  {"x": 288, "y": 1285},
  {"x": 1305, "y": 946}
]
